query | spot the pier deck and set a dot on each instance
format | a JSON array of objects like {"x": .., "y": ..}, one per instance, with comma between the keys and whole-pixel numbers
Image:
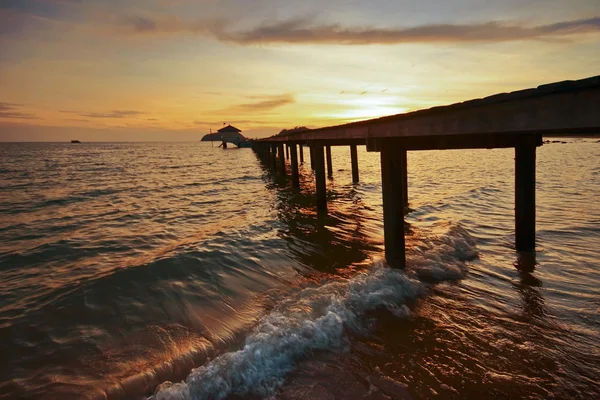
[{"x": 508, "y": 120}]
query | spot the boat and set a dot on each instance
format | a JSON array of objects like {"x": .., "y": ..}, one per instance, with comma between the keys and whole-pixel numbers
[{"x": 75, "y": 141}]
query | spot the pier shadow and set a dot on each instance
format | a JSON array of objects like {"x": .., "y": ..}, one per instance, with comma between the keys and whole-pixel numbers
[
  {"x": 526, "y": 262},
  {"x": 533, "y": 304}
]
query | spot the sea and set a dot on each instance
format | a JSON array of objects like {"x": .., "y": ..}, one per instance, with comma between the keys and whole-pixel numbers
[{"x": 186, "y": 271}]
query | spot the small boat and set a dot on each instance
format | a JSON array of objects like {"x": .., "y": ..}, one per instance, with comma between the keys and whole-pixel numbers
[{"x": 75, "y": 141}]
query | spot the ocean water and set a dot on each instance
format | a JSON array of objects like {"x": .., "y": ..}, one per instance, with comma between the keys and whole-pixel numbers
[{"x": 184, "y": 271}]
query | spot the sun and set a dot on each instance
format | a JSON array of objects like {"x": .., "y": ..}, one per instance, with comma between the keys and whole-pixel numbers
[{"x": 365, "y": 106}]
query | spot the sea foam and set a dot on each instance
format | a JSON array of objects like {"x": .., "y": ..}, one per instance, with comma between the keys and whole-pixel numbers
[{"x": 317, "y": 318}]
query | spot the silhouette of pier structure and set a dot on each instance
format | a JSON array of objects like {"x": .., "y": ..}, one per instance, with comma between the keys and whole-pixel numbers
[
  {"x": 228, "y": 135},
  {"x": 508, "y": 120}
]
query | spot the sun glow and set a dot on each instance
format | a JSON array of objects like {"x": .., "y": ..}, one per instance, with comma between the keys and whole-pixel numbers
[{"x": 366, "y": 106}]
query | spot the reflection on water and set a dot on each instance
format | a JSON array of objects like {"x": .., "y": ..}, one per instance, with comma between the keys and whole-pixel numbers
[
  {"x": 324, "y": 242},
  {"x": 125, "y": 265}
]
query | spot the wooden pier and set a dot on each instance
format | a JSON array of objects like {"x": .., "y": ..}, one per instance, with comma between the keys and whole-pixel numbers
[{"x": 508, "y": 120}]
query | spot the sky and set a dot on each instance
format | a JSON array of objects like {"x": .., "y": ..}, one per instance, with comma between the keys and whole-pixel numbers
[{"x": 147, "y": 70}]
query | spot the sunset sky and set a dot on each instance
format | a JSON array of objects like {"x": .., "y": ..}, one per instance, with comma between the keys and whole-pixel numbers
[{"x": 132, "y": 70}]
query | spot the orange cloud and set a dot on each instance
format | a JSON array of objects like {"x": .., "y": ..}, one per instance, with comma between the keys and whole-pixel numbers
[
  {"x": 109, "y": 114},
  {"x": 266, "y": 104},
  {"x": 304, "y": 30},
  {"x": 11, "y": 110}
]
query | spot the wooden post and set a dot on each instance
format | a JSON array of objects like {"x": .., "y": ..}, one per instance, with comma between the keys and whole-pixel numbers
[
  {"x": 287, "y": 151},
  {"x": 321, "y": 188},
  {"x": 274, "y": 157},
  {"x": 281, "y": 158},
  {"x": 312, "y": 156},
  {"x": 525, "y": 193},
  {"x": 329, "y": 165},
  {"x": 404, "y": 160},
  {"x": 295, "y": 175},
  {"x": 224, "y": 144},
  {"x": 392, "y": 187},
  {"x": 301, "y": 153},
  {"x": 267, "y": 153},
  {"x": 354, "y": 158}
]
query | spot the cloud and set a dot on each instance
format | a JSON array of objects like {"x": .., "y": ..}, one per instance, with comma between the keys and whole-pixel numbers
[
  {"x": 20, "y": 16},
  {"x": 109, "y": 114},
  {"x": 304, "y": 30},
  {"x": 39, "y": 8},
  {"x": 220, "y": 124},
  {"x": 9, "y": 106},
  {"x": 266, "y": 104},
  {"x": 301, "y": 31},
  {"x": 164, "y": 24},
  {"x": 12, "y": 110}
]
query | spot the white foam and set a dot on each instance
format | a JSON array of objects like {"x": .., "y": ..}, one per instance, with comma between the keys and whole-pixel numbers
[
  {"x": 443, "y": 257},
  {"x": 317, "y": 318}
]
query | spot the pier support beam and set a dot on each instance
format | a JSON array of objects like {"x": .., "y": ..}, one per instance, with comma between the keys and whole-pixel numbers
[
  {"x": 311, "y": 148},
  {"x": 525, "y": 194},
  {"x": 354, "y": 157},
  {"x": 301, "y": 146},
  {"x": 295, "y": 175},
  {"x": 321, "y": 186},
  {"x": 266, "y": 149},
  {"x": 404, "y": 161},
  {"x": 329, "y": 164},
  {"x": 281, "y": 158},
  {"x": 393, "y": 181},
  {"x": 274, "y": 157},
  {"x": 287, "y": 151}
]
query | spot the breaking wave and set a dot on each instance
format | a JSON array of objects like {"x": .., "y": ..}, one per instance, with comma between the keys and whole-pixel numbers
[{"x": 320, "y": 317}]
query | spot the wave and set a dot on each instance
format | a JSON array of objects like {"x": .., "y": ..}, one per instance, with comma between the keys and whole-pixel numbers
[{"x": 320, "y": 318}]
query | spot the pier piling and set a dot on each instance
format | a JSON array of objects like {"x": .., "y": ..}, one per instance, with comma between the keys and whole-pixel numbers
[
  {"x": 329, "y": 164},
  {"x": 274, "y": 157},
  {"x": 312, "y": 156},
  {"x": 404, "y": 165},
  {"x": 267, "y": 153},
  {"x": 281, "y": 158},
  {"x": 525, "y": 156},
  {"x": 294, "y": 163},
  {"x": 287, "y": 151},
  {"x": 321, "y": 186},
  {"x": 354, "y": 157},
  {"x": 392, "y": 183},
  {"x": 301, "y": 146}
]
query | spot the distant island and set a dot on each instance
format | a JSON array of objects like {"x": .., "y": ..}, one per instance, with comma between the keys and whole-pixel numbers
[
  {"x": 285, "y": 132},
  {"x": 75, "y": 141}
]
